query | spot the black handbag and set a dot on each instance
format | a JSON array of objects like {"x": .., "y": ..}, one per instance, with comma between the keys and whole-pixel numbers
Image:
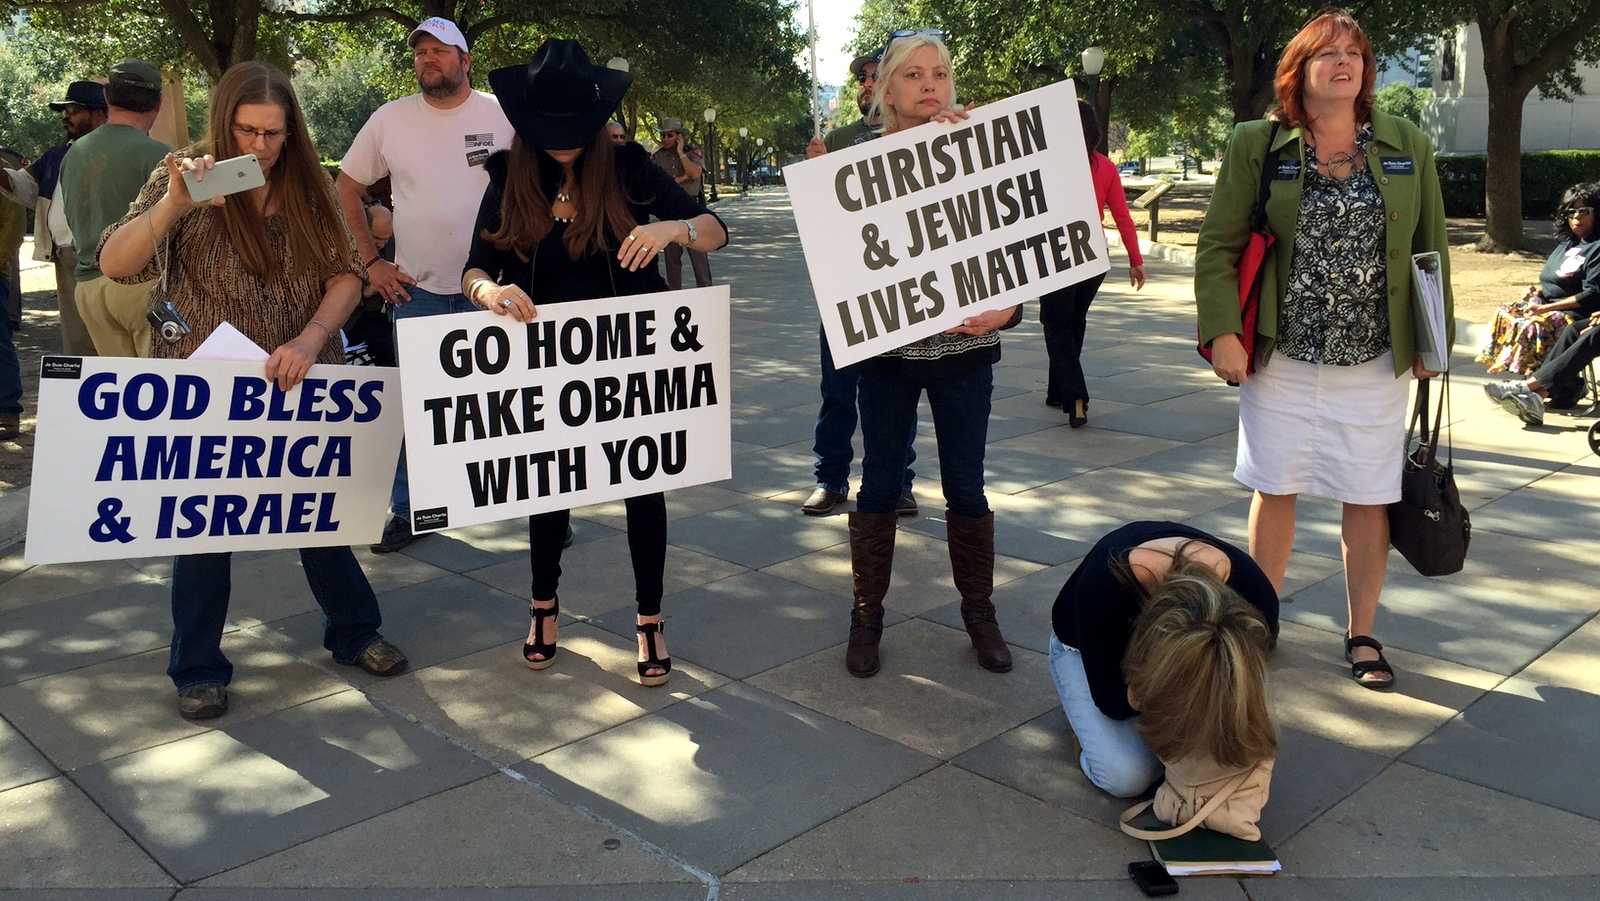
[{"x": 1428, "y": 525}]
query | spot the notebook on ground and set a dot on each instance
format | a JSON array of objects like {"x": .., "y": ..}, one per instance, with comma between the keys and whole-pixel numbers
[{"x": 1203, "y": 851}]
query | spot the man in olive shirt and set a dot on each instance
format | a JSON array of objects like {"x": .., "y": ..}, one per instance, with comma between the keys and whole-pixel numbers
[
  {"x": 100, "y": 176},
  {"x": 683, "y": 163}
]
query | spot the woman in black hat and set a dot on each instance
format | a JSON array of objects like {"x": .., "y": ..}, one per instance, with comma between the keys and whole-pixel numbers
[{"x": 567, "y": 217}]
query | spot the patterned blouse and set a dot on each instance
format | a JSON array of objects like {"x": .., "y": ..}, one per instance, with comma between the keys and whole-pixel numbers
[
  {"x": 1336, "y": 311},
  {"x": 208, "y": 285}
]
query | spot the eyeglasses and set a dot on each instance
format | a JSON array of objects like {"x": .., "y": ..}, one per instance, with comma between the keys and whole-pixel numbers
[
  {"x": 865, "y": 77},
  {"x": 935, "y": 33},
  {"x": 1577, "y": 211},
  {"x": 246, "y": 134}
]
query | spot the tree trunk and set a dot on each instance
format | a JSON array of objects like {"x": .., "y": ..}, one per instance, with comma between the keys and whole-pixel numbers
[{"x": 1502, "y": 232}]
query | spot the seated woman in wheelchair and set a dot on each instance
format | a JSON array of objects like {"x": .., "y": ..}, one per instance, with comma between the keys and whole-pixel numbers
[
  {"x": 1559, "y": 382},
  {"x": 1523, "y": 335}
]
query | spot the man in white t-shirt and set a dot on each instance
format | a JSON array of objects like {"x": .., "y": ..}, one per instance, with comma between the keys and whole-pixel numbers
[{"x": 432, "y": 145}]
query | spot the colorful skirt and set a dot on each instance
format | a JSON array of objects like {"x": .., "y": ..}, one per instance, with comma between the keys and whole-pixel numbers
[{"x": 1519, "y": 342}]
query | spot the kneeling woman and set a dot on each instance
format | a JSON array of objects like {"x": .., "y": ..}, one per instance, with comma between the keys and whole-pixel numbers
[
  {"x": 567, "y": 217},
  {"x": 1158, "y": 647}
]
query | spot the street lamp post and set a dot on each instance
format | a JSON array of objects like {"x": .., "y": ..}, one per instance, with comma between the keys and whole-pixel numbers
[
  {"x": 711, "y": 149},
  {"x": 621, "y": 65},
  {"x": 760, "y": 143},
  {"x": 744, "y": 156},
  {"x": 1094, "y": 62}
]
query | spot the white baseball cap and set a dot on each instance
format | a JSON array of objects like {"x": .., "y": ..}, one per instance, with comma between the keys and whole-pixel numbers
[{"x": 443, "y": 29}]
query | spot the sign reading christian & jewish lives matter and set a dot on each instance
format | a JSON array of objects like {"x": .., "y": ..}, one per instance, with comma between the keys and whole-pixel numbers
[
  {"x": 593, "y": 401},
  {"x": 143, "y": 458},
  {"x": 909, "y": 234}
]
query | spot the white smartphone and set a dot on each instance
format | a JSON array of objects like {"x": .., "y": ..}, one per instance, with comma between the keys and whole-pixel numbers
[{"x": 241, "y": 173}]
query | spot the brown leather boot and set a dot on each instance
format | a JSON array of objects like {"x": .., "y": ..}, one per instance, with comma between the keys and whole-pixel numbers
[
  {"x": 871, "y": 561},
  {"x": 972, "y": 565}
]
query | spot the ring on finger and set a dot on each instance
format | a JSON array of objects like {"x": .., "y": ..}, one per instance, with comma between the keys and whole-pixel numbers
[
  {"x": 630, "y": 237},
  {"x": 506, "y": 302}
]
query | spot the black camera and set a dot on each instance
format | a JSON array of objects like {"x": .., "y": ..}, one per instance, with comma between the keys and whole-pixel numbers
[{"x": 168, "y": 324}]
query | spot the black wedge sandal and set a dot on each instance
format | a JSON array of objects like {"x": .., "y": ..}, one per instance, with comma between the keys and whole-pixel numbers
[
  {"x": 538, "y": 645},
  {"x": 649, "y": 631},
  {"x": 1361, "y": 668}
]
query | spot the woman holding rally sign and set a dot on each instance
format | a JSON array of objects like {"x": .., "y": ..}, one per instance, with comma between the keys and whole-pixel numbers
[
  {"x": 1351, "y": 194},
  {"x": 955, "y": 368},
  {"x": 567, "y": 217},
  {"x": 278, "y": 264}
]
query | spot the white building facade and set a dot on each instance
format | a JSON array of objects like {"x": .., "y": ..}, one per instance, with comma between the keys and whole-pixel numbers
[{"x": 1457, "y": 118}]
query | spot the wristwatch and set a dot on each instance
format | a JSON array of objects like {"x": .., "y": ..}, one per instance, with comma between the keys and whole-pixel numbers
[{"x": 694, "y": 233}]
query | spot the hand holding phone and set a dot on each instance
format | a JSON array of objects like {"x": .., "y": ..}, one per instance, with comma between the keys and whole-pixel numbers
[
  {"x": 1152, "y": 878},
  {"x": 242, "y": 173}
]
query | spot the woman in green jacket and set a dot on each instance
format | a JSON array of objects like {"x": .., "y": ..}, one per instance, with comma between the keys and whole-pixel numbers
[{"x": 1353, "y": 195}]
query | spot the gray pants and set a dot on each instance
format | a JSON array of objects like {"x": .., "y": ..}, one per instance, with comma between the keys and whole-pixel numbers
[
  {"x": 700, "y": 262},
  {"x": 75, "y": 340}
]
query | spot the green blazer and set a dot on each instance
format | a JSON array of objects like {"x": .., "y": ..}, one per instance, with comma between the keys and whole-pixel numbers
[{"x": 1401, "y": 160}]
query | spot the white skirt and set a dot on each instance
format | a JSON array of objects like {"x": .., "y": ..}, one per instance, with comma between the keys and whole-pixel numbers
[{"x": 1332, "y": 431}]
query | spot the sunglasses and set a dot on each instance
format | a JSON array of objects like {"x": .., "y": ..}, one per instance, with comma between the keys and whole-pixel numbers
[
  {"x": 935, "y": 33},
  {"x": 865, "y": 77},
  {"x": 1579, "y": 211}
]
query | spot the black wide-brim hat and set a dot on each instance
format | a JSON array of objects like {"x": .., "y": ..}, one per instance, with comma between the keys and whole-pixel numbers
[{"x": 559, "y": 100}]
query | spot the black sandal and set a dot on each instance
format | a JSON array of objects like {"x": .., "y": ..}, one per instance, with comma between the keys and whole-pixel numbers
[
  {"x": 1364, "y": 667},
  {"x": 547, "y": 650},
  {"x": 649, "y": 631}
]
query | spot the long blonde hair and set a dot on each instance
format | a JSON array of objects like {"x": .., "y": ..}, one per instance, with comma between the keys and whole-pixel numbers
[
  {"x": 900, "y": 49},
  {"x": 303, "y": 191},
  {"x": 1197, "y": 667}
]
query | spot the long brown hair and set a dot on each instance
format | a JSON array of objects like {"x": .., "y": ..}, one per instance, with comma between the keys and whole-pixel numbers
[
  {"x": 303, "y": 191},
  {"x": 533, "y": 175},
  {"x": 1197, "y": 666},
  {"x": 1328, "y": 25}
]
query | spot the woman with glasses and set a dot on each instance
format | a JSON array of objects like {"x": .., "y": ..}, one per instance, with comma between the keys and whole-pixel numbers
[
  {"x": 1353, "y": 193},
  {"x": 278, "y": 264},
  {"x": 914, "y": 87},
  {"x": 1569, "y": 286},
  {"x": 1523, "y": 335}
]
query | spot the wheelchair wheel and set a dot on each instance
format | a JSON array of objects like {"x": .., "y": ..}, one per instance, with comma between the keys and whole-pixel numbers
[{"x": 1594, "y": 438}]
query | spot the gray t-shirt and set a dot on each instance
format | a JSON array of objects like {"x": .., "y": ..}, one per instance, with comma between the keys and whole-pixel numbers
[{"x": 100, "y": 176}]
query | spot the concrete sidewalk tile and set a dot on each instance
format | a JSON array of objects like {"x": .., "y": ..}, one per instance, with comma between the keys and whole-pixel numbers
[
  {"x": 1566, "y": 498},
  {"x": 921, "y": 578},
  {"x": 431, "y": 622},
  {"x": 770, "y": 471},
  {"x": 703, "y": 779},
  {"x": 1028, "y": 405},
  {"x": 780, "y": 394},
  {"x": 20, "y": 762},
  {"x": 984, "y": 831},
  {"x": 1172, "y": 424},
  {"x": 1574, "y": 663},
  {"x": 38, "y": 584},
  {"x": 1410, "y": 822},
  {"x": 1027, "y": 537},
  {"x": 744, "y": 625},
  {"x": 1023, "y": 607},
  {"x": 475, "y": 547},
  {"x": 1036, "y": 759},
  {"x": 931, "y": 694},
  {"x": 492, "y": 702},
  {"x": 1448, "y": 888},
  {"x": 770, "y": 428},
  {"x": 758, "y": 534},
  {"x": 681, "y": 504},
  {"x": 1030, "y": 379},
  {"x": 1096, "y": 448},
  {"x": 54, "y": 837},
  {"x": 83, "y": 630},
  {"x": 212, "y": 802},
  {"x": 912, "y": 889},
  {"x": 1312, "y": 692},
  {"x": 1484, "y": 616},
  {"x": 1210, "y": 463},
  {"x": 1527, "y": 738},
  {"x": 1317, "y": 525},
  {"x": 1013, "y": 472},
  {"x": 1001, "y": 429},
  {"x": 126, "y": 705},
  {"x": 642, "y": 892},
  {"x": 598, "y": 575},
  {"x": 92, "y": 894},
  {"x": 389, "y": 572},
  {"x": 1117, "y": 496},
  {"x": 492, "y": 832},
  {"x": 1311, "y": 776},
  {"x": 1055, "y": 511}
]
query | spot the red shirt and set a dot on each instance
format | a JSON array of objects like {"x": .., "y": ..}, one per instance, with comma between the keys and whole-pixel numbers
[{"x": 1108, "y": 192}]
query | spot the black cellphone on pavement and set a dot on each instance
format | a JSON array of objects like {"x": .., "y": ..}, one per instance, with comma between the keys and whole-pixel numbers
[{"x": 1152, "y": 878}]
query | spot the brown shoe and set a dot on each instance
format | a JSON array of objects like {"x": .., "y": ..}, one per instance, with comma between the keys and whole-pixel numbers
[
  {"x": 972, "y": 565},
  {"x": 871, "y": 564},
  {"x": 10, "y": 425},
  {"x": 382, "y": 659},
  {"x": 822, "y": 501},
  {"x": 205, "y": 701}
]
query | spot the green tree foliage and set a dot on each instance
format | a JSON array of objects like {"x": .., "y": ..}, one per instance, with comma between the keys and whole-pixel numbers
[
  {"x": 1403, "y": 100},
  {"x": 29, "y": 79},
  {"x": 339, "y": 95}
]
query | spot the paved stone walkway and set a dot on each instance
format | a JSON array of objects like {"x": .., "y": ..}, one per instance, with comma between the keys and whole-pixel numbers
[{"x": 763, "y": 771}]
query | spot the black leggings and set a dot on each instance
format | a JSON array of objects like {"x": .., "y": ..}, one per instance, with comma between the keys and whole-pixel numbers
[
  {"x": 1064, "y": 317},
  {"x": 1562, "y": 373},
  {"x": 647, "y": 544}
]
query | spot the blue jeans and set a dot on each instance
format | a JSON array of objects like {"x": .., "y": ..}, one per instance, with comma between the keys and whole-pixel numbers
[
  {"x": 1114, "y": 757},
  {"x": 836, "y": 426},
  {"x": 960, "y": 402},
  {"x": 10, "y": 365},
  {"x": 202, "y": 583},
  {"x": 422, "y": 303}
]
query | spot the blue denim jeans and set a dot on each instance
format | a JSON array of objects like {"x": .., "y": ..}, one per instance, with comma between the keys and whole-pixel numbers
[
  {"x": 422, "y": 303},
  {"x": 960, "y": 402},
  {"x": 1114, "y": 757},
  {"x": 10, "y": 365},
  {"x": 836, "y": 427},
  {"x": 202, "y": 584}
]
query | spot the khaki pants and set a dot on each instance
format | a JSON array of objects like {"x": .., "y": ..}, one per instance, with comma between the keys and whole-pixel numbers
[
  {"x": 114, "y": 314},
  {"x": 75, "y": 340}
]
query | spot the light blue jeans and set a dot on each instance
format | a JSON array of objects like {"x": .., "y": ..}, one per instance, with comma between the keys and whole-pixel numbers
[
  {"x": 1114, "y": 757},
  {"x": 422, "y": 303}
]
